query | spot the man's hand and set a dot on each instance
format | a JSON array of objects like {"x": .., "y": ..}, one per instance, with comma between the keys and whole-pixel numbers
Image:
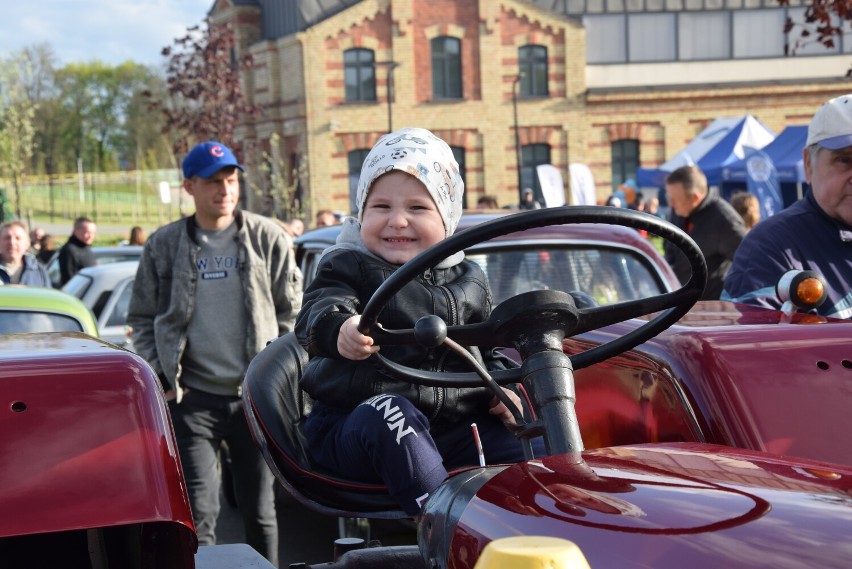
[
  {"x": 352, "y": 344},
  {"x": 171, "y": 394},
  {"x": 498, "y": 408}
]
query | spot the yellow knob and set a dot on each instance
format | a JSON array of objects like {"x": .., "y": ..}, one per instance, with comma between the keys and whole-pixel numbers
[{"x": 532, "y": 552}]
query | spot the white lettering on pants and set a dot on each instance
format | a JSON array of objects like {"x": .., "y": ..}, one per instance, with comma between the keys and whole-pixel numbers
[{"x": 393, "y": 417}]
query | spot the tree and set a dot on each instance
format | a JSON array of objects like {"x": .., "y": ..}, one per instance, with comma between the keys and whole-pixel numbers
[
  {"x": 142, "y": 139},
  {"x": 283, "y": 183},
  {"x": 98, "y": 97},
  {"x": 823, "y": 22},
  {"x": 17, "y": 113},
  {"x": 205, "y": 100}
]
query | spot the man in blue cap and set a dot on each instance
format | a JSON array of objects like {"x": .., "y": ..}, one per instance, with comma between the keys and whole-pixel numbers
[
  {"x": 211, "y": 290},
  {"x": 815, "y": 233}
]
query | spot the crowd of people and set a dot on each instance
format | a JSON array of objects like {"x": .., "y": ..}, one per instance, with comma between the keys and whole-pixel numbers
[{"x": 223, "y": 264}]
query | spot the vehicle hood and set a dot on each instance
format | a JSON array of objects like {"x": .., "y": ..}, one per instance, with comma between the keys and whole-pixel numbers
[{"x": 673, "y": 505}]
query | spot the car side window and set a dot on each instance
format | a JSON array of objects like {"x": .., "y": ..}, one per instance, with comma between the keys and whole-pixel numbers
[
  {"x": 310, "y": 258},
  {"x": 118, "y": 316}
]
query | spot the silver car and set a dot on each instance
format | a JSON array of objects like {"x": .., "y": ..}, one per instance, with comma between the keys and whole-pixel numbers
[{"x": 106, "y": 290}]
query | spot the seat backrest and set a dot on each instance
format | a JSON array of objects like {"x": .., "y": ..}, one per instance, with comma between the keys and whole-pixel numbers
[{"x": 276, "y": 409}]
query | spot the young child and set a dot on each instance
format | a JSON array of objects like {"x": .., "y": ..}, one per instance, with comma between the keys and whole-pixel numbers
[{"x": 366, "y": 425}]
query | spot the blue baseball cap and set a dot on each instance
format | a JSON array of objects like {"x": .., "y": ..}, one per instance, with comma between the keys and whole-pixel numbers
[{"x": 208, "y": 158}]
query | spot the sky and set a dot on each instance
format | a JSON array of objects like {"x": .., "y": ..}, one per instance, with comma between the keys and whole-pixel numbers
[{"x": 112, "y": 31}]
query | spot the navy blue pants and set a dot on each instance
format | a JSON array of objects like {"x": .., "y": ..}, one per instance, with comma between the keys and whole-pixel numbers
[
  {"x": 201, "y": 422},
  {"x": 386, "y": 439}
]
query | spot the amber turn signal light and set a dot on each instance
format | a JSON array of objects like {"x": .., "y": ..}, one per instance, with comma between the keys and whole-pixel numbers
[{"x": 803, "y": 289}]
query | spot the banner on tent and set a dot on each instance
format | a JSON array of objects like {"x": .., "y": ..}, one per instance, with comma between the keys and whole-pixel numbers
[{"x": 762, "y": 181}]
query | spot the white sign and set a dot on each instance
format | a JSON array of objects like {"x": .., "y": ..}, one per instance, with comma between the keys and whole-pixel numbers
[
  {"x": 552, "y": 186},
  {"x": 582, "y": 184},
  {"x": 165, "y": 192}
]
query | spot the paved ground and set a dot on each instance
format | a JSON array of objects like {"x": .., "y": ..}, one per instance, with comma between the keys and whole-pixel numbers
[{"x": 305, "y": 536}]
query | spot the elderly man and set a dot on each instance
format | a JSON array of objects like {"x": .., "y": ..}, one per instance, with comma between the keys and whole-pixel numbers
[
  {"x": 713, "y": 224},
  {"x": 815, "y": 233},
  {"x": 17, "y": 266}
]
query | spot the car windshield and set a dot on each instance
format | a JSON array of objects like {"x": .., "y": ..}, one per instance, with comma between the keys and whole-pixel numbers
[
  {"x": 608, "y": 275},
  {"x": 20, "y": 321}
]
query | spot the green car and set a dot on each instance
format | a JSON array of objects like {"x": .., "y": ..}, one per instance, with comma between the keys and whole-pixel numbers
[{"x": 37, "y": 309}]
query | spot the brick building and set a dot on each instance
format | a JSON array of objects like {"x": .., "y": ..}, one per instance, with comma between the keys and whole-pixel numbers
[{"x": 614, "y": 85}]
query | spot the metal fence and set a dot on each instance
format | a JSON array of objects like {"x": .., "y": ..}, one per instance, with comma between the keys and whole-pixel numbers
[{"x": 131, "y": 198}]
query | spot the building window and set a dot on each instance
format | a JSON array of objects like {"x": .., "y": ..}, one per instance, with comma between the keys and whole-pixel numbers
[
  {"x": 359, "y": 71},
  {"x": 606, "y": 38},
  {"x": 756, "y": 33},
  {"x": 651, "y": 37},
  {"x": 531, "y": 156},
  {"x": 738, "y": 29},
  {"x": 704, "y": 36},
  {"x": 356, "y": 160},
  {"x": 625, "y": 161},
  {"x": 809, "y": 45},
  {"x": 458, "y": 154},
  {"x": 446, "y": 68},
  {"x": 532, "y": 65}
]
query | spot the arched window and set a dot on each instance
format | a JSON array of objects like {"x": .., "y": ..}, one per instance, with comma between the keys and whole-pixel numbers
[
  {"x": 532, "y": 65},
  {"x": 458, "y": 154},
  {"x": 359, "y": 72},
  {"x": 446, "y": 68},
  {"x": 531, "y": 156},
  {"x": 356, "y": 160},
  {"x": 625, "y": 161}
]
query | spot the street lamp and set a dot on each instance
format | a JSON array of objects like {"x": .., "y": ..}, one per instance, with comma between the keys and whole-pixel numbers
[
  {"x": 517, "y": 134},
  {"x": 391, "y": 65}
]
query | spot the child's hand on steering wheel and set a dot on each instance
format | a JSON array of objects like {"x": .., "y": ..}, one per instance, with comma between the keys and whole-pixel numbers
[{"x": 352, "y": 344}]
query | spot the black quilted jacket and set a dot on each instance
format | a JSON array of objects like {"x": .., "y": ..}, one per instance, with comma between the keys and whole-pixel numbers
[{"x": 345, "y": 281}]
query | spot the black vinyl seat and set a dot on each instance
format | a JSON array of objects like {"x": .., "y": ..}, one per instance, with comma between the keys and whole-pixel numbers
[{"x": 276, "y": 409}]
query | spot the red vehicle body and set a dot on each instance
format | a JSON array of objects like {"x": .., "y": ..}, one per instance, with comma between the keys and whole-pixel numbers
[
  {"x": 727, "y": 374},
  {"x": 719, "y": 442},
  {"x": 678, "y": 505},
  {"x": 89, "y": 471}
]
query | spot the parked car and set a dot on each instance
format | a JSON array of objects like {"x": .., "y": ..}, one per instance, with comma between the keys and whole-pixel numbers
[
  {"x": 38, "y": 309},
  {"x": 697, "y": 438},
  {"x": 106, "y": 290},
  {"x": 90, "y": 475},
  {"x": 103, "y": 255},
  {"x": 608, "y": 263}
]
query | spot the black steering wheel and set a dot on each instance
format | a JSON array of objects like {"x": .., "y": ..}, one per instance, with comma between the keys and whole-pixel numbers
[{"x": 536, "y": 321}]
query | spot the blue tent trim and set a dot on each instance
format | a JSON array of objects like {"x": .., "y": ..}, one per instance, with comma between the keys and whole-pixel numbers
[{"x": 785, "y": 152}]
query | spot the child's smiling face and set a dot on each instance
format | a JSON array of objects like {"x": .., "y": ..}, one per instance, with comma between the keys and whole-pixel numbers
[{"x": 400, "y": 219}]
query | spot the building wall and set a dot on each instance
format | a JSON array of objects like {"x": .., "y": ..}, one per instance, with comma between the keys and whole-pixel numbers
[{"x": 299, "y": 80}]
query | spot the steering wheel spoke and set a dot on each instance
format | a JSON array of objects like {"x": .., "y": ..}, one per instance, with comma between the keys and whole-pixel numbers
[
  {"x": 600, "y": 316},
  {"x": 443, "y": 378}
]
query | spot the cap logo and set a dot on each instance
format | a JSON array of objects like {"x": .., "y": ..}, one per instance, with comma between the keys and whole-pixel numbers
[{"x": 217, "y": 151}]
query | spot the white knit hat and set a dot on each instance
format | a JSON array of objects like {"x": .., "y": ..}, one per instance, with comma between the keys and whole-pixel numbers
[{"x": 420, "y": 153}]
